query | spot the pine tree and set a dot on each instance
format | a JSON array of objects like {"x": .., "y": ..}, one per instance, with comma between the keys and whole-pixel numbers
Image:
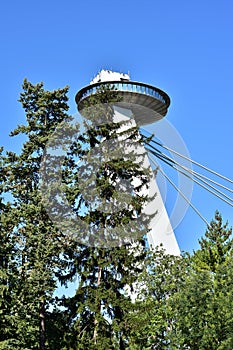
[
  {"x": 37, "y": 244},
  {"x": 8, "y": 272}
]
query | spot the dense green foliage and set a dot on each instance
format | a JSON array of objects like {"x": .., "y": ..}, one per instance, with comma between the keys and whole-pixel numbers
[
  {"x": 30, "y": 244},
  {"x": 204, "y": 302},
  {"x": 109, "y": 265},
  {"x": 126, "y": 296}
]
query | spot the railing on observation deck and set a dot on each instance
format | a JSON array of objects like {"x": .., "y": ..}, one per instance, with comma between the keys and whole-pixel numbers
[{"x": 134, "y": 87}]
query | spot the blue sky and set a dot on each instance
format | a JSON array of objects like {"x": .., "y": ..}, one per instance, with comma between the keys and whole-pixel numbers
[{"x": 183, "y": 47}]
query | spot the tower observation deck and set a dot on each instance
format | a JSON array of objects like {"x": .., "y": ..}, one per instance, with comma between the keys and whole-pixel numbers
[
  {"x": 143, "y": 104},
  {"x": 147, "y": 103}
]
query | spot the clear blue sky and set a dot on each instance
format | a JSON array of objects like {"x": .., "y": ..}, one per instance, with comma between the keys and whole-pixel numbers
[{"x": 183, "y": 47}]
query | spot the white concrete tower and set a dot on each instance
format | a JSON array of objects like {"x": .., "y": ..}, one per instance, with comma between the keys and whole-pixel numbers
[{"x": 144, "y": 104}]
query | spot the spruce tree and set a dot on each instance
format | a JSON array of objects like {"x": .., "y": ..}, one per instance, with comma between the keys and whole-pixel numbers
[{"x": 109, "y": 263}]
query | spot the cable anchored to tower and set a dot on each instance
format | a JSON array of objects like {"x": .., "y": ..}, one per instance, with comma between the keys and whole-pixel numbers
[{"x": 201, "y": 180}]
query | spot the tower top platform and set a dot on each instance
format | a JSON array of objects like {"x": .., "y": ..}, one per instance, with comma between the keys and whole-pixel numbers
[{"x": 147, "y": 103}]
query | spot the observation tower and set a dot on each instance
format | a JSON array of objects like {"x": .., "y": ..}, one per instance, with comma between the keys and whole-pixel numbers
[{"x": 143, "y": 104}]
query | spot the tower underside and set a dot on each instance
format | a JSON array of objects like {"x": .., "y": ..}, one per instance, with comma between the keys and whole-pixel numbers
[{"x": 148, "y": 103}]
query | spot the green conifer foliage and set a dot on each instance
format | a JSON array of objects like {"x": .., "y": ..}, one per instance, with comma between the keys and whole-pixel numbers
[
  {"x": 37, "y": 245},
  {"x": 8, "y": 275},
  {"x": 203, "y": 304},
  {"x": 109, "y": 265},
  {"x": 215, "y": 246},
  {"x": 186, "y": 302},
  {"x": 71, "y": 210},
  {"x": 41, "y": 252}
]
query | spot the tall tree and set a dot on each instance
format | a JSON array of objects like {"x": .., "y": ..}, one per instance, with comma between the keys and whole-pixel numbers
[
  {"x": 38, "y": 244},
  {"x": 8, "y": 271},
  {"x": 109, "y": 264}
]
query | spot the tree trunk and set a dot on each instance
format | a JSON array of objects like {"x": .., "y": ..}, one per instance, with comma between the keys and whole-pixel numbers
[
  {"x": 42, "y": 325},
  {"x": 96, "y": 322}
]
